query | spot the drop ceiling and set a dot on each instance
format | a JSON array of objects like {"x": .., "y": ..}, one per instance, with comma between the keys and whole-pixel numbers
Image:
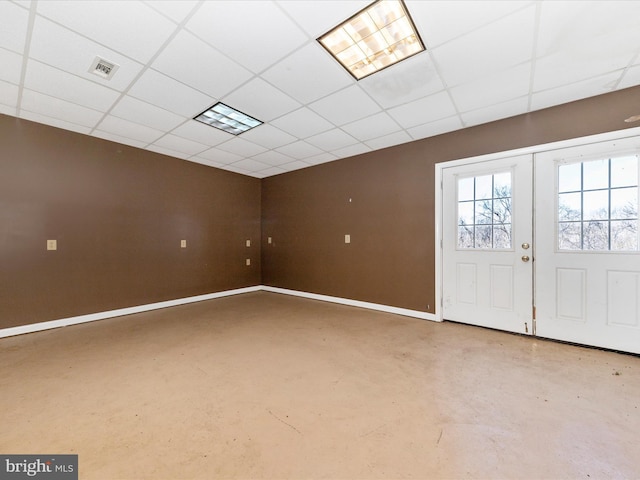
[{"x": 484, "y": 60}]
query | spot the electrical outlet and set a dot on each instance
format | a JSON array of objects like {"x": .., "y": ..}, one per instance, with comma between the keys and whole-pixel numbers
[
  {"x": 347, "y": 239},
  {"x": 269, "y": 240},
  {"x": 248, "y": 243},
  {"x": 52, "y": 244},
  {"x": 183, "y": 244},
  {"x": 248, "y": 261}
]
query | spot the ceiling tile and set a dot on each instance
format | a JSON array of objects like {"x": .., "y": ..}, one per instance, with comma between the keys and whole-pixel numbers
[
  {"x": 268, "y": 136},
  {"x": 297, "y": 165},
  {"x": 13, "y": 26},
  {"x": 408, "y": 80},
  {"x": 504, "y": 43},
  {"x": 435, "y": 128},
  {"x": 374, "y": 126},
  {"x": 496, "y": 112},
  {"x": 231, "y": 168},
  {"x": 152, "y": 87},
  {"x": 118, "y": 139},
  {"x": 302, "y": 123},
  {"x": 273, "y": 158},
  {"x": 39, "y": 103},
  {"x": 5, "y": 109},
  {"x": 389, "y": 140},
  {"x": 11, "y": 70},
  {"x": 351, "y": 150},
  {"x": 322, "y": 158},
  {"x": 201, "y": 133},
  {"x": 255, "y": 34},
  {"x": 260, "y": 100},
  {"x": 299, "y": 150},
  {"x": 220, "y": 157},
  {"x": 318, "y": 18},
  {"x": 144, "y": 113},
  {"x": 128, "y": 27},
  {"x": 179, "y": 144},
  {"x": 631, "y": 77},
  {"x": 200, "y": 66},
  {"x": 176, "y": 10},
  {"x": 574, "y": 91},
  {"x": 203, "y": 161},
  {"x": 56, "y": 83},
  {"x": 54, "y": 122},
  {"x": 346, "y": 106},
  {"x": 167, "y": 151},
  {"x": 441, "y": 21},
  {"x": 129, "y": 129},
  {"x": 332, "y": 140},
  {"x": 250, "y": 165},
  {"x": 492, "y": 89},
  {"x": 425, "y": 110},
  {"x": 241, "y": 147},
  {"x": 68, "y": 51},
  {"x": 308, "y": 74},
  {"x": 270, "y": 171}
]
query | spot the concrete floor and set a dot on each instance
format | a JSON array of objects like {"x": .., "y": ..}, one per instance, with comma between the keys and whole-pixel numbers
[{"x": 265, "y": 386}]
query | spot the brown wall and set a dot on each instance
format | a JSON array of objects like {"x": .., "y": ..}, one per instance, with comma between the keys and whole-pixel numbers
[
  {"x": 118, "y": 214},
  {"x": 391, "y": 258}
]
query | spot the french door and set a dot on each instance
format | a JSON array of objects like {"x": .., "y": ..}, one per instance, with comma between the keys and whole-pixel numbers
[{"x": 555, "y": 253}]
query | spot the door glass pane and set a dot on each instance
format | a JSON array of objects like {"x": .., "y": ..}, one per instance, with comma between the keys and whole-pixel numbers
[
  {"x": 598, "y": 205},
  {"x": 484, "y": 211}
]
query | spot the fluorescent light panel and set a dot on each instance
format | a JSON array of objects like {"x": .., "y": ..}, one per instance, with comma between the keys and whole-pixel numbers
[
  {"x": 228, "y": 119},
  {"x": 374, "y": 38}
]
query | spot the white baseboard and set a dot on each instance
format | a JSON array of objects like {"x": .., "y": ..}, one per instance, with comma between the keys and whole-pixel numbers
[
  {"x": 92, "y": 317},
  {"x": 354, "y": 303},
  {"x": 63, "y": 322}
]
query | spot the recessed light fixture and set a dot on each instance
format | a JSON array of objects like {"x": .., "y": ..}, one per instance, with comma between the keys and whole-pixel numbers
[
  {"x": 103, "y": 68},
  {"x": 632, "y": 119},
  {"x": 374, "y": 38},
  {"x": 228, "y": 119}
]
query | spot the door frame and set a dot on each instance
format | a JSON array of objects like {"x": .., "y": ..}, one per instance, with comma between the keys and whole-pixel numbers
[{"x": 574, "y": 142}]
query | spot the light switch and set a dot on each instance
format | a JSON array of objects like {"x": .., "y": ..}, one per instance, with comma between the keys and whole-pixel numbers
[
  {"x": 183, "y": 244},
  {"x": 347, "y": 239},
  {"x": 269, "y": 240},
  {"x": 248, "y": 243},
  {"x": 248, "y": 261},
  {"x": 52, "y": 244}
]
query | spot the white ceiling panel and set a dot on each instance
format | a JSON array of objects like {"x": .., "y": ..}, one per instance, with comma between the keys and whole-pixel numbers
[
  {"x": 412, "y": 79},
  {"x": 495, "y": 88},
  {"x": 13, "y": 26},
  {"x": 303, "y": 123},
  {"x": 260, "y": 100},
  {"x": 128, "y": 129},
  {"x": 201, "y": 133},
  {"x": 217, "y": 22},
  {"x": 200, "y": 66},
  {"x": 485, "y": 60},
  {"x": 56, "y": 83},
  {"x": 494, "y": 112},
  {"x": 152, "y": 87},
  {"x": 147, "y": 114},
  {"x": 250, "y": 165},
  {"x": 297, "y": 165},
  {"x": 424, "y": 110},
  {"x": 332, "y": 140},
  {"x": 39, "y": 103},
  {"x": 131, "y": 28},
  {"x": 54, "y": 122},
  {"x": 268, "y": 136},
  {"x": 11, "y": 66},
  {"x": 309, "y": 74},
  {"x": 505, "y": 43},
  {"x": 73, "y": 53},
  {"x": 179, "y": 144},
  {"x": 346, "y": 106},
  {"x": 299, "y": 150},
  {"x": 377, "y": 125},
  {"x": 273, "y": 158}
]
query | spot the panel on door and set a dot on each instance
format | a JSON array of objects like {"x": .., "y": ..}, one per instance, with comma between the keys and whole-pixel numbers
[
  {"x": 587, "y": 248},
  {"x": 487, "y": 257}
]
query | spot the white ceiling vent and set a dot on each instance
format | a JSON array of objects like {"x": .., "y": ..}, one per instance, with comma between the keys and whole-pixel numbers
[{"x": 103, "y": 68}]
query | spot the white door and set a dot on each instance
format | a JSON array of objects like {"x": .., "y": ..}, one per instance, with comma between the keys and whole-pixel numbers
[
  {"x": 587, "y": 258},
  {"x": 487, "y": 244}
]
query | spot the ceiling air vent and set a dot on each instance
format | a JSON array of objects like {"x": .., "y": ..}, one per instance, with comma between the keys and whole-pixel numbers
[{"x": 103, "y": 68}]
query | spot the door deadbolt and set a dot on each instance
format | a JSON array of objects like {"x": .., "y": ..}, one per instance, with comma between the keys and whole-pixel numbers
[
  {"x": 525, "y": 258},
  {"x": 525, "y": 246}
]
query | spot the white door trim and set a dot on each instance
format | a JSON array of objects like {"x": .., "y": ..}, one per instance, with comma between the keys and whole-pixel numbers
[{"x": 603, "y": 137}]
